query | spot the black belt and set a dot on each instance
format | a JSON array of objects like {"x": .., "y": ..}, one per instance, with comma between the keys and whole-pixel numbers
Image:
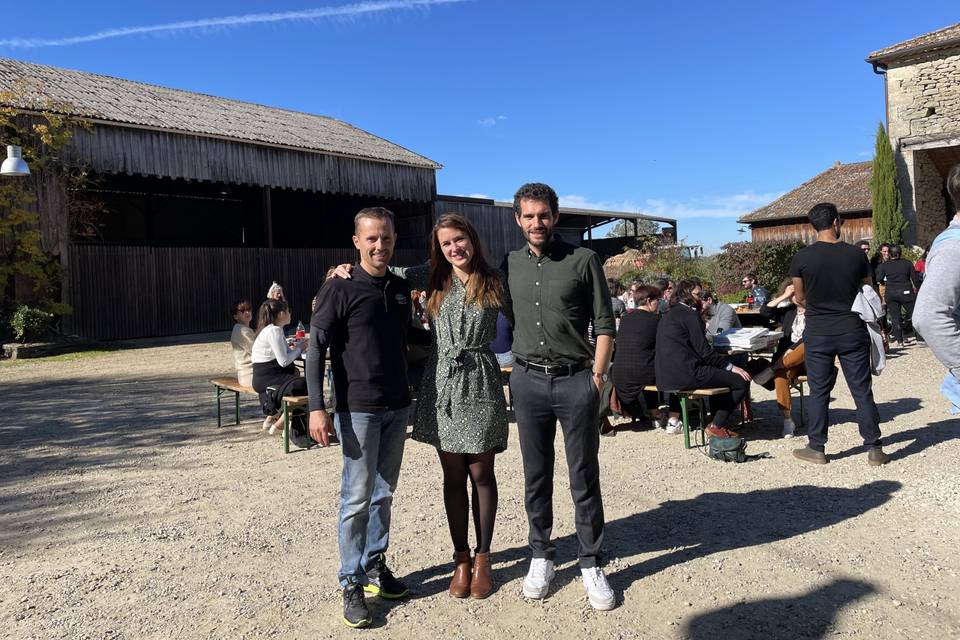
[{"x": 551, "y": 369}]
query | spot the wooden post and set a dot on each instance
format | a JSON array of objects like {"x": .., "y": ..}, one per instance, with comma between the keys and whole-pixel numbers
[
  {"x": 590, "y": 231},
  {"x": 267, "y": 217}
]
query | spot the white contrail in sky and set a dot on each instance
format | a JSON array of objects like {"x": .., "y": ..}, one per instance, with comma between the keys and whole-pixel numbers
[{"x": 320, "y": 13}]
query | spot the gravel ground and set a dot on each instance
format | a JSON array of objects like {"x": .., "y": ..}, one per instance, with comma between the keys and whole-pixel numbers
[{"x": 127, "y": 514}]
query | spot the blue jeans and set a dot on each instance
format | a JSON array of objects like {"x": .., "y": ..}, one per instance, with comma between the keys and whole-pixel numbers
[
  {"x": 853, "y": 352},
  {"x": 372, "y": 445}
]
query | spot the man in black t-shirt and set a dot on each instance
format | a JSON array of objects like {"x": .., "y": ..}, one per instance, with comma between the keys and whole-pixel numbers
[{"x": 827, "y": 277}]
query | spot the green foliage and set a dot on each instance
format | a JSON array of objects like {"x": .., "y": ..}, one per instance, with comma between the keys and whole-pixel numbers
[
  {"x": 888, "y": 220},
  {"x": 911, "y": 253},
  {"x": 624, "y": 228},
  {"x": 30, "y": 324},
  {"x": 769, "y": 260},
  {"x": 668, "y": 262},
  {"x": 28, "y": 275}
]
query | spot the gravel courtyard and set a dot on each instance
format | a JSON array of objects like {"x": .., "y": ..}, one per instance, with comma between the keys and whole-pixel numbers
[{"x": 126, "y": 513}]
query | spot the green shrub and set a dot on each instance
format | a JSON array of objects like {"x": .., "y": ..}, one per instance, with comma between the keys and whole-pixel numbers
[
  {"x": 769, "y": 260},
  {"x": 911, "y": 253},
  {"x": 30, "y": 324}
]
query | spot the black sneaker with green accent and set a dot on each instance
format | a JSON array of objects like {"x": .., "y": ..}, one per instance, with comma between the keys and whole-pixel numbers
[
  {"x": 355, "y": 612},
  {"x": 383, "y": 584}
]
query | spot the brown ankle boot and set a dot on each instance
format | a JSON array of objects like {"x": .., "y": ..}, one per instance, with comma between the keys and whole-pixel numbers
[
  {"x": 460, "y": 583},
  {"x": 482, "y": 584}
]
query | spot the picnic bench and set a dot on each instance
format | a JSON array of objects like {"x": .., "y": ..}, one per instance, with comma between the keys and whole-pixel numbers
[
  {"x": 290, "y": 405},
  {"x": 694, "y": 397},
  {"x": 224, "y": 385},
  {"x": 797, "y": 384}
]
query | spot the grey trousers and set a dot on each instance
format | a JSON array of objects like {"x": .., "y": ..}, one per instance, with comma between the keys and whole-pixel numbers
[{"x": 539, "y": 402}]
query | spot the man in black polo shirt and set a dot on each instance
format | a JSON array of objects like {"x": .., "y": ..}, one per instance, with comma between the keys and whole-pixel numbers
[
  {"x": 556, "y": 290},
  {"x": 827, "y": 276},
  {"x": 364, "y": 320}
]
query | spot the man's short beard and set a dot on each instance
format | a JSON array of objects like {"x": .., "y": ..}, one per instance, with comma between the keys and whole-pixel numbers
[{"x": 547, "y": 237}]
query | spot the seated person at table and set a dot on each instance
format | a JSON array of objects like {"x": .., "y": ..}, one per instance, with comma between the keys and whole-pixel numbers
[
  {"x": 718, "y": 315},
  {"x": 633, "y": 362},
  {"x": 754, "y": 290},
  {"x": 273, "y": 359},
  {"x": 241, "y": 341},
  {"x": 666, "y": 292},
  {"x": 789, "y": 355},
  {"x": 685, "y": 360}
]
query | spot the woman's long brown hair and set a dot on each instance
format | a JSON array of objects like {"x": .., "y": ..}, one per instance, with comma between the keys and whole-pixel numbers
[{"x": 484, "y": 287}]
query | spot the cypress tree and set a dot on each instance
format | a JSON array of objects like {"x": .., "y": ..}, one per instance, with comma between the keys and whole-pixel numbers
[{"x": 888, "y": 220}]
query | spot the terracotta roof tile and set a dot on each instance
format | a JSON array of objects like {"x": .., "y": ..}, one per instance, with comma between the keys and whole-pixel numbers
[{"x": 845, "y": 185}]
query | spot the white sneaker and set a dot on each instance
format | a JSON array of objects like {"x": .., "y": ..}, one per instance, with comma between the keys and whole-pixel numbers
[
  {"x": 788, "y": 427},
  {"x": 598, "y": 589},
  {"x": 537, "y": 583},
  {"x": 674, "y": 426},
  {"x": 267, "y": 422},
  {"x": 764, "y": 376}
]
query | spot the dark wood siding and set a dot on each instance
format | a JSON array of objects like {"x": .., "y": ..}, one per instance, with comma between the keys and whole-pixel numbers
[
  {"x": 112, "y": 149},
  {"x": 130, "y": 292}
]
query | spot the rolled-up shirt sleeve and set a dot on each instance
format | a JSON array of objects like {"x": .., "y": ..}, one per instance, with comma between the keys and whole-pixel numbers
[{"x": 603, "y": 321}]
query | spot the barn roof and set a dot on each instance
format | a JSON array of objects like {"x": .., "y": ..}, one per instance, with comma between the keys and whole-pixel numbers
[
  {"x": 845, "y": 185},
  {"x": 138, "y": 104}
]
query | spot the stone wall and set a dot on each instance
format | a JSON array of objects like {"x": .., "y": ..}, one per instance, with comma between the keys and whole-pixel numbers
[
  {"x": 924, "y": 95},
  {"x": 923, "y": 101}
]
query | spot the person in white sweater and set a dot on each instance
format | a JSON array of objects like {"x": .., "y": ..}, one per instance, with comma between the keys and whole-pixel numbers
[
  {"x": 273, "y": 358},
  {"x": 241, "y": 341}
]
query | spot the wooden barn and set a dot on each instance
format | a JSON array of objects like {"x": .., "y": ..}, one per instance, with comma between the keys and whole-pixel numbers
[
  {"x": 206, "y": 200},
  {"x": 845, "y": 185}
]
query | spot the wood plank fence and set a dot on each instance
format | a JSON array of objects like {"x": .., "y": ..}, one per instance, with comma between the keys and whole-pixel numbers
[{"x": 120, "y": 292}]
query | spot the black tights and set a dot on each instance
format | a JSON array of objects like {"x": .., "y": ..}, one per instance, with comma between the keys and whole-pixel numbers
[{"x": 457, "y": 468}]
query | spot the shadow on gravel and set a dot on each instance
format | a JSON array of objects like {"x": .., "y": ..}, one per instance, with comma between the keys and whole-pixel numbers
[
  {"x": 770, "y": 423},
  {"x": 684, "y": 530},
  {"x": 919, "y": 439},
  {"x": 809, "y": 616}
]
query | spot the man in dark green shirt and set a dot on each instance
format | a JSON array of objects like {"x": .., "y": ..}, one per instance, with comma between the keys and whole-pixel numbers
[{"x": 556, "y": 290}]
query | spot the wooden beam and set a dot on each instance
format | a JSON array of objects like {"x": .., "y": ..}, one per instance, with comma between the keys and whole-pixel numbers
[{"x": 267, "y": 217}]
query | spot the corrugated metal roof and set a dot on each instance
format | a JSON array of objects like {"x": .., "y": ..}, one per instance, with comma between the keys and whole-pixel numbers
[
  {"x": 111, "y": 99},
  {"x": 948, "y": 36},
  {"x": 845, "y": 185}
]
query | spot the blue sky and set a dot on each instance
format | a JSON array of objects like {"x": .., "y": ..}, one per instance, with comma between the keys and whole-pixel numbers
[{"x": 696, "y": 110}]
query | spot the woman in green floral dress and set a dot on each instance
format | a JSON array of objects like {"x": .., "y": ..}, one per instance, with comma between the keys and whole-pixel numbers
[{"x": 461, "y": 409}]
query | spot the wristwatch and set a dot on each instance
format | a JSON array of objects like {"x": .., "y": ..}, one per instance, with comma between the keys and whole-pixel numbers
[{"x": 603, "y": 376}]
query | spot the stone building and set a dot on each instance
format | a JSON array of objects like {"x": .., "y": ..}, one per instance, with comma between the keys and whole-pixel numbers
[{"x": 922, "y": 86}]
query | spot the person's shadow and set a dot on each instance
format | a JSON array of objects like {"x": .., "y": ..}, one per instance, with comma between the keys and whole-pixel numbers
[
  {"x": 920, "y": 438},
  {"x": 690, "y": 529},
  {"x": 808, "y": 616}
]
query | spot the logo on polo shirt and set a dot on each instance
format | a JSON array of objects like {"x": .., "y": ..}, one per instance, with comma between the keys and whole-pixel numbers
[{"x": 400, "y": 298}]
